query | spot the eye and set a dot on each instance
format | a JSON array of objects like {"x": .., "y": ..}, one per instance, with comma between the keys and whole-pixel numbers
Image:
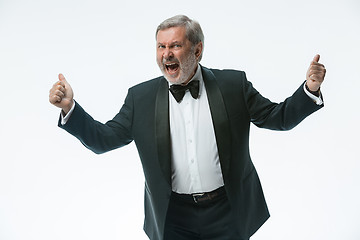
[
  {"x": 161, "y": 46},
  {"x": 177, "y": 46}
]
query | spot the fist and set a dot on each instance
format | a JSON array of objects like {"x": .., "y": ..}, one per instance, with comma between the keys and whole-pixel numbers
[
  {"x": 315, "y": 74},
  {"x": 61, "y": 94}
]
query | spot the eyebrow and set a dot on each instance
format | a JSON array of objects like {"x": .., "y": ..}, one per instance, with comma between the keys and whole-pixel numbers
[{"x": 173, "y": 43}]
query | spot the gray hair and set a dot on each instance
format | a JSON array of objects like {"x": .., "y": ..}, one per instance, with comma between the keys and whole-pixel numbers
[{"x": 193, "y": 30}]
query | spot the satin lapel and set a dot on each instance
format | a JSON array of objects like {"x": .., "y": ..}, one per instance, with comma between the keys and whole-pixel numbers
[
  {"x": 162, "y": 128},
  {"x": 220, "y": 120}
]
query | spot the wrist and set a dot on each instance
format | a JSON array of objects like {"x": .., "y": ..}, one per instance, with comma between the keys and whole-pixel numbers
[
  {"x": 67, "y": 108},
  {"x": 316, "y": 92}
]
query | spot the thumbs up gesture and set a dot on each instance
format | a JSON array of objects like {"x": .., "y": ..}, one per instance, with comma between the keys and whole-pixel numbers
[
  {"x": 315, "y": 74},
  {"x": 61, "y": 94}
]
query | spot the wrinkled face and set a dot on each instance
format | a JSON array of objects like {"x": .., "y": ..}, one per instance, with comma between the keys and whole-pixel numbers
[{"x": 176, "y": 55}]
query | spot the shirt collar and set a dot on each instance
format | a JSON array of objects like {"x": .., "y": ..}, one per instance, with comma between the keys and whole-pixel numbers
[{"x": 198, "y": 76}]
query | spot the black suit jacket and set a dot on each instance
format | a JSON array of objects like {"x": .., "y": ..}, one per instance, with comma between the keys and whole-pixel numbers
[{"x": 234, "y": 103}]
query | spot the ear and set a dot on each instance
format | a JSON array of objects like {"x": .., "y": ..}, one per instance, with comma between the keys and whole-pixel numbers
[{"x": 198, "y": 50}]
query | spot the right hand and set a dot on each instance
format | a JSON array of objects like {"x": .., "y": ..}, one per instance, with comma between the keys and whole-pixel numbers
[
  {"x": 315, "y": 74},
  {"x": 61, "y": 94}
]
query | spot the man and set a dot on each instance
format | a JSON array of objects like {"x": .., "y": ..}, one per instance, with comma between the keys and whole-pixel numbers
[{"x": 193, "y": 143}]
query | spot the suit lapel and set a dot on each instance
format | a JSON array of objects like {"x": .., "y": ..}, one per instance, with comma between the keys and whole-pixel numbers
[
  {"x": 162, "y": 128},
  {"x": 219, "y": 118}
]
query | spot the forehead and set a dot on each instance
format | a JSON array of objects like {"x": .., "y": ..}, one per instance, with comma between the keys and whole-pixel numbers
[{"x": 171, "y": 35}]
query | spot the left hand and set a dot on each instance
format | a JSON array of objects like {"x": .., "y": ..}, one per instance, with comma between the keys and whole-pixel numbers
[{"x": 315, "y": 74}]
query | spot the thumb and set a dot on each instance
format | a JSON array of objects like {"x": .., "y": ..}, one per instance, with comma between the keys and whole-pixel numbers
[
  {"x": 62, "y": 78},
  {"x": 316, "y": 58}
]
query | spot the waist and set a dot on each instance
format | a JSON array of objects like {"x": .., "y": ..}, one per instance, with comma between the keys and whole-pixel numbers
[{"x": 200, "y": 198}]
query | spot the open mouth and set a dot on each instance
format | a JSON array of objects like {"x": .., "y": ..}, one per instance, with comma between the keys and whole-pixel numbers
[{"x": 172, "y": 67}]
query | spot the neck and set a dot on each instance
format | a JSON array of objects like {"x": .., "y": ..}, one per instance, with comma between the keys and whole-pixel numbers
[{"x": 191, "y": 76}]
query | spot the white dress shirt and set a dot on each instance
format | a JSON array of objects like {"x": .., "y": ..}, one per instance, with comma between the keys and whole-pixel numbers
[{"x": 195, "y": 161}]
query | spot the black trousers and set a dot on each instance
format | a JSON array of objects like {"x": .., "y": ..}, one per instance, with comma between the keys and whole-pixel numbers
[{"x": 207, "y": 220}]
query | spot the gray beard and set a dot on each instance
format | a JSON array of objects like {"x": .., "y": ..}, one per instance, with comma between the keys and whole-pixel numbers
[{"x": 187, "y": 69}]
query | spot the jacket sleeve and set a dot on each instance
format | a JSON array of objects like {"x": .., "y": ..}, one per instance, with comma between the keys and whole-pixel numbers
[
  {"x": 99, "y": 137},
  {"x": 278, "y": 116}
]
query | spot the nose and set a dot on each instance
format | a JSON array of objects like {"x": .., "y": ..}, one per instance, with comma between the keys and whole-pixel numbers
[{"x": 168, "y": 54}]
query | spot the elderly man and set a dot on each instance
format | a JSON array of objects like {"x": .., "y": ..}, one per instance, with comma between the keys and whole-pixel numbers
[{"x": 191, "y": 129}]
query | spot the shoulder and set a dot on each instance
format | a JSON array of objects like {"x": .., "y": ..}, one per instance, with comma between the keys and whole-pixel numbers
[
  {"x": 225, "y": 71},
  {"x": 226, "y": 78},
  {"x": 146, "y": 91},
  {"x": 226, "y": 74},
  {"x": 149, "y": 86}
]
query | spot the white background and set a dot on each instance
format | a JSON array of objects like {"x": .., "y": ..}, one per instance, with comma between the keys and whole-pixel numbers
[{"x": 51, "y": 187}]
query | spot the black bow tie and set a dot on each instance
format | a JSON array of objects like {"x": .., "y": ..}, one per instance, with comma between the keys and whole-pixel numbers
[{"x": 178, "y": 91}]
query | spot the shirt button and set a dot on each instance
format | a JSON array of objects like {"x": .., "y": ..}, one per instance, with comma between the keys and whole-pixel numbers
[
  {"x": 192, "y": 160},
  {"x": 190, "y": 141}
]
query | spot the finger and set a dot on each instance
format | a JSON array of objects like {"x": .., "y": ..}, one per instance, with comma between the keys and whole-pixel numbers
[
  {"x": 312, "y": 74},
  {"x": 55, "y": 92},
  {"x": 54, "y": 99},
  {"x": 62, "y": 78},
  {"x": 316, "y": 77},
  {"x": 317, "y": 68},
  {"x": 320, "y": 70},
  {"x": 314, "y": 64},
  {"x": 56, "y": 88},
  {"x": 58, "y": 83},
  {"x": 60, "y": 88},
  {"x": 59, "y": 93},
  {"x": 316, "y": 58}
]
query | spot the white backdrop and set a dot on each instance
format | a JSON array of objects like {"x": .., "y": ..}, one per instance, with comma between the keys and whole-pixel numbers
[{"x": 51, "y": 187}]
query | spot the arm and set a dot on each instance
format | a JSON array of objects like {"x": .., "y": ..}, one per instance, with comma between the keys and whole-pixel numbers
[
  {"x": 293, "y": 110},
  {"x": 96, "y": 136},
  {"x": 99, "y": 137}
]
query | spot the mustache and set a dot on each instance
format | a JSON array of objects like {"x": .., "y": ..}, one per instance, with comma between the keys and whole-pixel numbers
[{"x": 170, "y": 60}]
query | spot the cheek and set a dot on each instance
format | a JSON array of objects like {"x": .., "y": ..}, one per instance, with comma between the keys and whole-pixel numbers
[
  {"x": 158, "y": 58},
  {"x": 159, "y": 53},
  {"x": 183, "y": 56}
]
